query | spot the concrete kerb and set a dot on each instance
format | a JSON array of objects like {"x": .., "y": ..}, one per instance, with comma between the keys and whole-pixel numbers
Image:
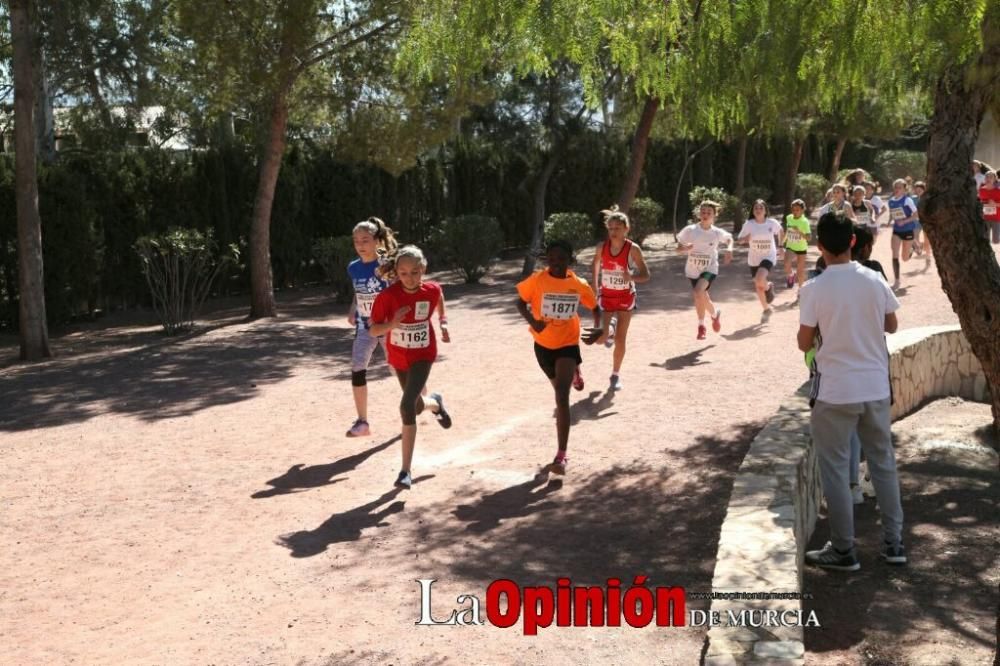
[{"x": 776, "y": 497}]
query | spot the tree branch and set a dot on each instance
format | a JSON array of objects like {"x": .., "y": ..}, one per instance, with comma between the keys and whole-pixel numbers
[{"x": 323, "y": 55}]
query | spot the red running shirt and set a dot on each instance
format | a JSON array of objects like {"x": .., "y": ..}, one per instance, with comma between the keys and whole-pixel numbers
[
  {"x": 413, "y": 340},
  {"x": 617, "y": 291},
  {"x": 991, "y": 203}
]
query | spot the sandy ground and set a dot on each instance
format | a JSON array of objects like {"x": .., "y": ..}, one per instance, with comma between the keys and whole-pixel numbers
[
  {"x": 942, "y": 607},
  {"x": 195, "y": 501}
]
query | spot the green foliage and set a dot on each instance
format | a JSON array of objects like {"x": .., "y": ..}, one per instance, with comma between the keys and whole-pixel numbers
[
  {"x": 334, "y": 254},
  {"x": 180, "y": 267},
  {"x": 732, "y": 208},
  {"x": 468, "y": 244},
  {"x": 893, "y": 164},
  {"x": 811, "y": 188},
  {"x": 577, "y": 228},
  {"x": 645, "y": 218},
  {"x": 752, "y": 193}
]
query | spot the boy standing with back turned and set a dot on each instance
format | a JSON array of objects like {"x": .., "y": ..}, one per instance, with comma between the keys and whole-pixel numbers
[{"x": 853, "y": 307}]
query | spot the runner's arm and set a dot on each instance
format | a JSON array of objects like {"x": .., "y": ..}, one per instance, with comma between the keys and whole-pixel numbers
[
  {"x": 522, "y": 307},
  {"x": 640, "y": 263},
  {"x": 596, "y": 264},
  {"x": 595, "y": 334},
  {"x": 352, "y": 311},
  {"x": 807, "y": 337},
  {"x": 443, "y": 320},
  {"x": 378, "y": 330}
]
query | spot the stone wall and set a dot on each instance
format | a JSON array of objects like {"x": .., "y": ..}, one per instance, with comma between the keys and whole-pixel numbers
[{"x": 776, "y": 495}]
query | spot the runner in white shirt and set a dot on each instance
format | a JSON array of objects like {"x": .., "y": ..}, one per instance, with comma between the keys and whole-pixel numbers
[
  {"x": 766, "y": 239},
  {"x": 878, "y": 206},
  {"x": 701, "y": 243}
]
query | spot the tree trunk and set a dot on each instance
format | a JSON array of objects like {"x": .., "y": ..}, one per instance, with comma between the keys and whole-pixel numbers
[
  {"x": 741, "y": 167},
  {"x": 261, "y": 280},
  {"x": 31, "y": 301},
  {"x": 793, "y": 172},
  {"x": 837, "y": 154},
  {"x": 950, "y": 213},
  {"x": 538, "y": 210},
  {"x": 45, "y": 126},
  {"x": 637, "y": 159}
]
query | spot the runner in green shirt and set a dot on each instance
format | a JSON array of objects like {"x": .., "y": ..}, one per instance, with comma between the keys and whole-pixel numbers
[{"x": 797, "y": 231}]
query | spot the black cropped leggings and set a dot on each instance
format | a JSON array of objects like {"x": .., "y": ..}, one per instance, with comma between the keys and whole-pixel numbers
[{"x": 413, "y": 381}]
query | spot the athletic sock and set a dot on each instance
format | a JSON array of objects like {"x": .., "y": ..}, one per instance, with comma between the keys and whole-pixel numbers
[
  {"x": 701, "y": 322},
  {"x": 560, "y": 455}
]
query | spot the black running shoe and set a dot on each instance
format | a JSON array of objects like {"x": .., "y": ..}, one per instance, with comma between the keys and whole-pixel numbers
[
  {"x": 893, "y": 554},
  {"x": 442, "y": 414},
  {"x": 831, "y": 558}
]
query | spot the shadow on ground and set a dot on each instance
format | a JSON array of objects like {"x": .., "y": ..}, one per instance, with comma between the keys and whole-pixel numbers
[
  {"x": 169, "y": 378},
  {"x": 945, "y": 595},
  {"x": 299, "y": 477},
  {"x": 660, "y": 517},
  {"x": 347, "y": 525}
]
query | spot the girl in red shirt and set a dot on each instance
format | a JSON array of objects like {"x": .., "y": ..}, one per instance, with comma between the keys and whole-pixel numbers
[
  {"x": 989, "y": 194},
  {"x": 403, "y": 311},
  {"x": 615, "y": 282}
]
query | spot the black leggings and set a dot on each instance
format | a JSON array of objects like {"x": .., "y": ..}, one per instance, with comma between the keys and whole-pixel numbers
[{"x": 412, "y": 381}]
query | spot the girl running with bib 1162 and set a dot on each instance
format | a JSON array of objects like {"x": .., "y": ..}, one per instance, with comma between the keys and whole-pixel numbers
[
  {"x": 375, "y": 244},
  {"x": 548, "y": 301},
  {"x": 765, "y": 236},
  {"x": 403, "y": 311},
  {"x": 613, "y": 260},
  {"x": 701, "y": 243}
]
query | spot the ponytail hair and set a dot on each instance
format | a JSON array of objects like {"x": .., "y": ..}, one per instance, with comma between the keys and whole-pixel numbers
[
  {"x": 386, "y": 245},
  {"x": 614, "y": 213}
]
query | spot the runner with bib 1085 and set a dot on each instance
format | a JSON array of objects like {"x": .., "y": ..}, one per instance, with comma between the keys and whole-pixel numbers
[{"x": 764, "y": 236}]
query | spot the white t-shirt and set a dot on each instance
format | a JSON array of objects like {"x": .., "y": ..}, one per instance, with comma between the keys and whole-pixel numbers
[
  {"x": 848, "y": 303},
  {"x": 704, "y": 256},
  {"x": 877, "y": 204},
  {"x": 762, "y": 243}
]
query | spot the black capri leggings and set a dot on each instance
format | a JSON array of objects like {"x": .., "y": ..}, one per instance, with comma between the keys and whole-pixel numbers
[{"x": 413, "y": 381}]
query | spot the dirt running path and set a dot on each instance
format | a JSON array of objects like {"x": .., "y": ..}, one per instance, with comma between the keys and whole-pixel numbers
[{"x": 195, "y": 501}]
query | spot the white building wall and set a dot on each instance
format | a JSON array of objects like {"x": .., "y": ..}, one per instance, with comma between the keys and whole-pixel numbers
[{"x": 988, "y": 145}]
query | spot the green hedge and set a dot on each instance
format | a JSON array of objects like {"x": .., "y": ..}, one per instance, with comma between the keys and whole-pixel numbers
[{"x": 95, "y": 206}]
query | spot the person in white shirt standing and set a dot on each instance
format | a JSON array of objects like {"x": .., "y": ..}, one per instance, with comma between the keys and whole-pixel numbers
[
  {"x": 765, "y": 236},
  {"x": 853, "y": 307}
]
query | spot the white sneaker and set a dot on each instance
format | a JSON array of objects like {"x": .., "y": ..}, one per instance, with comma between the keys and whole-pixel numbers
[{"x": 404, "y": 480}]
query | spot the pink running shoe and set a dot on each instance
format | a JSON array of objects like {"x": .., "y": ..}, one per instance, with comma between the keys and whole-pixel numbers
[{"x": 359, "y": 429}]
